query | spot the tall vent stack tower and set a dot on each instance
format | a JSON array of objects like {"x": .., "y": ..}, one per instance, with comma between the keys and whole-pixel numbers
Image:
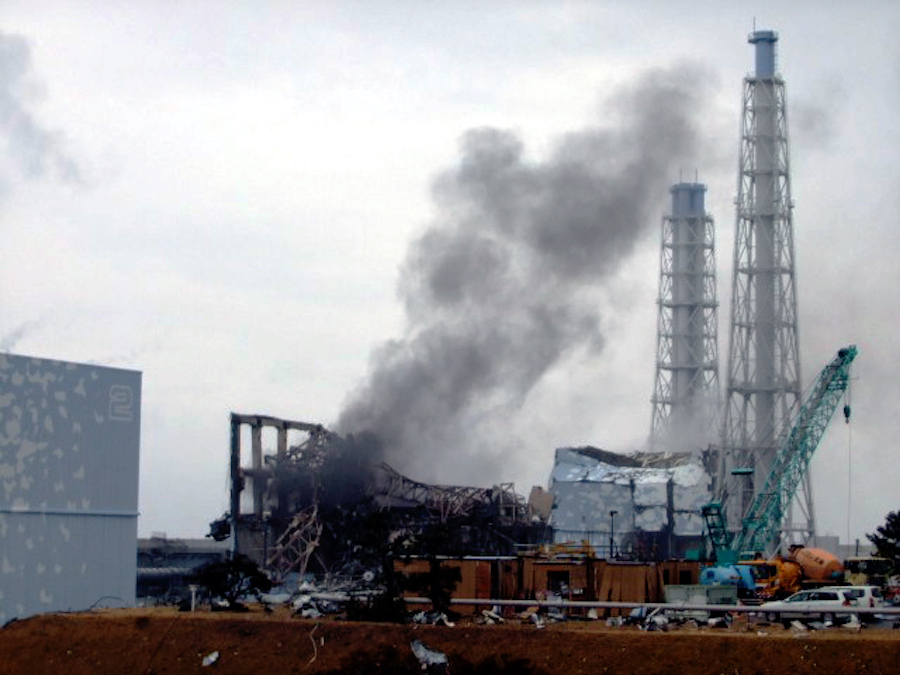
[
  {"x": 763, "y": 378},
  {"x": 686, "y": 392}
]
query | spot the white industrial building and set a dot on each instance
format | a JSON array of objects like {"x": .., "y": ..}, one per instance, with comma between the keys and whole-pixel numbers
[{"x": 69, "y": 443}]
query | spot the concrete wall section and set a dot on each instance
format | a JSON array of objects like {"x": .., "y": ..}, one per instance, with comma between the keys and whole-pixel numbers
[{"x": 69, "y": 443}]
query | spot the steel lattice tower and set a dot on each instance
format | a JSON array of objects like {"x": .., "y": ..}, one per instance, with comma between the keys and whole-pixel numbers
[
  {"x": 763, "y": 377},
  {"x": 686, "y": 392}
]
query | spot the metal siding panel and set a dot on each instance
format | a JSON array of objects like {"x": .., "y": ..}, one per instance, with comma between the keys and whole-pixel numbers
[
  {"x": 585, "y": 507},
  {"x": 69, "y": 453},
  {"x": 52, "y": 563},
  {"x": 69, "y": 435},
  {"x": 651, "y": 519},
  {"x": 651, "y": 494}
]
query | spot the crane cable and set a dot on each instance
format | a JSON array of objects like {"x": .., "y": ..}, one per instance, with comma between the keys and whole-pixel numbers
[{"x": 849, "y": 452}]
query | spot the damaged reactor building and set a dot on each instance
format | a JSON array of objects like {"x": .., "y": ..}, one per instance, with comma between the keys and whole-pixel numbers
[
  {"x": 654, "y": 499},
  {"x": 645, "y": 505},
  {"x": 318, "y": 502},
  {"x": 656, "y": 496}
]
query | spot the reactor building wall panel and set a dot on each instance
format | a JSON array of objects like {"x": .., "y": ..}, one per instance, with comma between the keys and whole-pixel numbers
[
  {"x": 648, "y": 493},
  {"x": 69, "y": 445}
]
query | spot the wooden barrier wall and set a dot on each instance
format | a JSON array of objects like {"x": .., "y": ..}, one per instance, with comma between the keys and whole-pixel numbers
[
  {"x": 537, "y": 578},
  {"x": 476, "y": 579}
]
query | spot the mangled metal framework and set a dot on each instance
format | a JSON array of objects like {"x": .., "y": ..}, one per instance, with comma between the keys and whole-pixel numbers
[
  {"x": 283, "y": 529},
  {"x": 268, "y": 534},
  {"x": 446, "y": 502},
  {"x": 297, "y": 544}
]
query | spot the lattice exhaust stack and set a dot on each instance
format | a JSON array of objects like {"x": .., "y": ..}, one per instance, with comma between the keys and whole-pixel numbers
[
  {"x": 763, "y": 378},
  {"x": 686, "y": 392}
]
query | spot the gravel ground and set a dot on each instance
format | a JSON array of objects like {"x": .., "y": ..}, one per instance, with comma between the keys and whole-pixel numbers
[{"x": 164, "y": 641}]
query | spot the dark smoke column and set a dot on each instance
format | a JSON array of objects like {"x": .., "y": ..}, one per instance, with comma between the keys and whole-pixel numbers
[{"x": 503, "y": 284}]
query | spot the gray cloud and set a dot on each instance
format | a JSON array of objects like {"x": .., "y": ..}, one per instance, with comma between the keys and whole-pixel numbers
[
  {"x": 36, "y": 152},
  {"x": 503, "y": 285}
]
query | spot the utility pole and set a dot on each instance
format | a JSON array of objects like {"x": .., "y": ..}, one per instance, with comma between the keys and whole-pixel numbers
[{"x": 612, "y": 533}]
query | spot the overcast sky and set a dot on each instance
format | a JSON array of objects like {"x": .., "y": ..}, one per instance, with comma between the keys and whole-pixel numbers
[{"x": 224, "y": 196}]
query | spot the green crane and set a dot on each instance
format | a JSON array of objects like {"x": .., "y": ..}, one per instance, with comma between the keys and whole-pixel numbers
[{"x": 763, "y": 520}]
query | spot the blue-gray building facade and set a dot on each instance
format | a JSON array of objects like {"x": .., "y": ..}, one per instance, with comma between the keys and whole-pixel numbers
[
  {"x": 69, "y": 453},
  {"x": 645, "y": 505}
]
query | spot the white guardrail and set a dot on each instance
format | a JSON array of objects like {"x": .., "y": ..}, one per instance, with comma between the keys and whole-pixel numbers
[{"x": 586, "y": 604}]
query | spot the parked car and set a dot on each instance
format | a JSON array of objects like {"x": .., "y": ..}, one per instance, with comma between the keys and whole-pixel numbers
[
  {"x": 819, "y": 603},
  {"x": 865, "y": 596}
]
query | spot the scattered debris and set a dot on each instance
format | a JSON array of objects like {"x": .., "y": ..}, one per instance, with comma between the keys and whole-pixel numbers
[
  {"x": 442, "y": 620},
  {"x": 275, "y": 598},
  {"x": 656, "y": 622},
  {"x": 210, "y": 659},
  {"x": 306, "y": 587},
  {"x": 637, "y": 616},
  {"x": 491, "y": 617},
  {"x": 312, "y": 602},
  {"x": 529, "y": 611},
  {"x": 798, "y": 626},
  {"x": 719, "y": 621},
  {"x": 312, "y": 639},
  {"x": 853, "y": 624},
  {"x": 431, "y": 619},
  {"x": 428, "y": 657},
  {"x": 556, "y": 614}
]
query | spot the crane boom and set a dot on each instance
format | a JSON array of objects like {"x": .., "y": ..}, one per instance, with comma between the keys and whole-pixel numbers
[{"x": 764, "y": 518}]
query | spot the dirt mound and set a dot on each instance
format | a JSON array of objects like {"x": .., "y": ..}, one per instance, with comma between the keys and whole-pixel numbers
[{"x": 164, "y": 641}]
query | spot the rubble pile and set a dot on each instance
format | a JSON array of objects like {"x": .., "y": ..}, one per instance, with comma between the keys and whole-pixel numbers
[{"x": 328, "y": 504}]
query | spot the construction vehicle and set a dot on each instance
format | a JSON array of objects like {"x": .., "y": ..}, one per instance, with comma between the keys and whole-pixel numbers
[
  {"x": 803, "y": 568},
  {"x": 779, "y": 577},
  {"x": 762, "y": 523},
  {"x": 739, "y": 576},
  {"x": 750, "y": 577}
]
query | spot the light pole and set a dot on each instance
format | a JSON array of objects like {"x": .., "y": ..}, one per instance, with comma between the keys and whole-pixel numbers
[{"x": 612, "y": 533}]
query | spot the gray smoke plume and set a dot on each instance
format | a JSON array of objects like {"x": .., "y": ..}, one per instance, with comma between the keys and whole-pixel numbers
[
  {"x": 815, "y": 119},
  {"x": 34, "y": 150},
  {"x": 503, "y": 285},
  {"x": 9, "y": 341}
]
